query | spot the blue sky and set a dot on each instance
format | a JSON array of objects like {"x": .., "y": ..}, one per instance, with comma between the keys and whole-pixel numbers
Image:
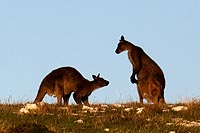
[{"x": 39, "y": 36}]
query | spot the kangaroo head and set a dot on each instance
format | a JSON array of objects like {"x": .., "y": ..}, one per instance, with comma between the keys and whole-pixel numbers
[
  {"x": 100, "y": 82},
  {"x": 122, "y": 45}
]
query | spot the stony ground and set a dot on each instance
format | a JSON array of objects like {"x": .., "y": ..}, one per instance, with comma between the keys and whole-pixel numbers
[{"x": 129, "y": 117}]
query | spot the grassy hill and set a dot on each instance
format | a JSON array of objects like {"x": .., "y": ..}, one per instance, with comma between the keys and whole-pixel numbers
[{"x": 113, "y": 118}]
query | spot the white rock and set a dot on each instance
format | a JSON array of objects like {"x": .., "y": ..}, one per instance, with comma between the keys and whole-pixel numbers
[
  {"x": 84, "y": 111},
  {"x": 87, "y": 108},
  {"x": 23, "y": 110},
  {"x": 179, "y": 108},
  {"x": 128, "y": 109},
  {"x": 104, "y": 106},
  {"x": 80, "y": 121},
  {"x": 165, "y": 110},
  {"x": 31, "y": 106},
  {"x": 116, "y": 105},
  {"x": 106, "y": 129},
  {"x": 74, "y": 114},
  {"x": 113, "y": 109},
  {"x": 169, "y": 124},
  {"x": 148, "y": 119},
  {"x": 139, "y": 110}
]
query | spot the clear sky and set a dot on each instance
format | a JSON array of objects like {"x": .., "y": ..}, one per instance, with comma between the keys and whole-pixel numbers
[{"x": 41, "y": 35}]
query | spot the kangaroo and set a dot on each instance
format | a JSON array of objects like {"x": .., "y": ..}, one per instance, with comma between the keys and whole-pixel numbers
[
  {"x": 63, "y": 81},
  {"x": 150, "y": 78}
]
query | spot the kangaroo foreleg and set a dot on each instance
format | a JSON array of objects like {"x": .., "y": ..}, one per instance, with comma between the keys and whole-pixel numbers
[
  {"x": 133, "y": 79},
  {"x": 85, "y": 101},
  {"x": 77, "y": 98}
]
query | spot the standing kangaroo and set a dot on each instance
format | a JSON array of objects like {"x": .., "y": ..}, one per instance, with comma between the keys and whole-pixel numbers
[
  {"x": 151, "y": 81},
  {"x": 63, "y": 81}
]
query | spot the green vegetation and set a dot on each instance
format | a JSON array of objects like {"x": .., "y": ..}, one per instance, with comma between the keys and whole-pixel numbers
[{"x": 121, "y": 118}]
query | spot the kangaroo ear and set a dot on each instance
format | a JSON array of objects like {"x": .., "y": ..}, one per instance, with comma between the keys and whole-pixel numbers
[
  {"x": 122, "y": 38},
  {"x": 94, "y": 77},
  {"x": 98, "y": 75}
]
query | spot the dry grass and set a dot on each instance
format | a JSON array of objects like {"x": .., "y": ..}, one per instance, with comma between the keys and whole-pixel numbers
[{"x": 122, "y": 118}]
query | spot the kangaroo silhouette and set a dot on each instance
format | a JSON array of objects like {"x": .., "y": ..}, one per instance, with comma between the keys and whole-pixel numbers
[
  {"x": 63, "y": 81},
  {"x": 150, "y": 78}
]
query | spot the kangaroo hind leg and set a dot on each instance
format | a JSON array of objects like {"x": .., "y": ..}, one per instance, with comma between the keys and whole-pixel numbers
[
  {"x": 157, "y": 92},
  {"x": 66, "y": 99}
]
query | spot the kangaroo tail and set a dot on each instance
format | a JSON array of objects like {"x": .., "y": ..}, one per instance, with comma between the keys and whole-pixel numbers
[{"x": 40, "y": 95}]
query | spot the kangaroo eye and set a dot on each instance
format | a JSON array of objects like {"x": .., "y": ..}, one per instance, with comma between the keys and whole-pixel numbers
[{"x": 122, "y": 42}]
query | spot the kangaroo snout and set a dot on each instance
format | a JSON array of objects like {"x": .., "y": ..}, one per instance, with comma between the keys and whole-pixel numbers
[
  {"x": 106, "y": 83},
  {"x": 117, "y": 51}
]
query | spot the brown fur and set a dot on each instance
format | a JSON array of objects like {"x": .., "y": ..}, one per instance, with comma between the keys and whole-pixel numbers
[
  {"x": 151, "y": 81},
  {"x": 63, "y": 81}
]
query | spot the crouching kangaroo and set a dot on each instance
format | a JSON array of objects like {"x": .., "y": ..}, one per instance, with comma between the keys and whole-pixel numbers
[
  {"x": 150, "y": 78},
  {"x": 63, "y": 81}
]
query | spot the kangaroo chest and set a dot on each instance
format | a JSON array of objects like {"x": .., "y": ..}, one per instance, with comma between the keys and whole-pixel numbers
[{"x": 131, "y": 59}]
